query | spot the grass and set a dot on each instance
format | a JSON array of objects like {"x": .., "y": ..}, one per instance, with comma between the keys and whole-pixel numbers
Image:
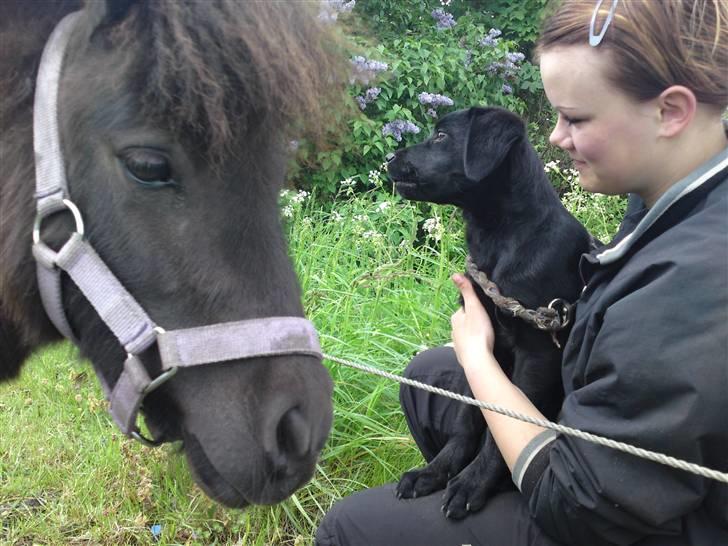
[{"x": 375, "y": 284}]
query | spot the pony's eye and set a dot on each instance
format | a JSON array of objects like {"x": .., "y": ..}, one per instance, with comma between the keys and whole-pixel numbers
[
  {"x": 439, "y": 136},
  {"x": 148, "y": 167}
]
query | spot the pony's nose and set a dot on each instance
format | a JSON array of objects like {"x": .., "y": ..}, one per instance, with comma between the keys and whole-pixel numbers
[
  {"x": 293, "y": 434},
  {"x": 291, "y": 438}
]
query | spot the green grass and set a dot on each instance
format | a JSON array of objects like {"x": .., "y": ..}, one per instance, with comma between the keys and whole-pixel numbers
[{"x": 377, "y": 288}]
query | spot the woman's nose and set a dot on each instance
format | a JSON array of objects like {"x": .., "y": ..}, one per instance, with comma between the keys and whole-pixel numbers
[{"x": 560, "y": 136}]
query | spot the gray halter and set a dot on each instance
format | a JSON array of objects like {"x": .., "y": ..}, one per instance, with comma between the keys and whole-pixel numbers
[{"x": 271, "y": 336}]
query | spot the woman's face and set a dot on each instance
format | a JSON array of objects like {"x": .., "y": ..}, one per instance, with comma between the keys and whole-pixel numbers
[{"x": 610, "y": 137}]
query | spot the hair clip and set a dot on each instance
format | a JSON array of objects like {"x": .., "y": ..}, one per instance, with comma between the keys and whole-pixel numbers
[{"x": 596, "y": 39}]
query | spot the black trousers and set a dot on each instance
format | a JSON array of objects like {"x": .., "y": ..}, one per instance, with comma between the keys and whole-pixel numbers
[{"x": 375, "y": 517}]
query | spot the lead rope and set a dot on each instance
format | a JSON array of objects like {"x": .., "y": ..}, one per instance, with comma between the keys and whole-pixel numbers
[{"x": 594, "y": 438}]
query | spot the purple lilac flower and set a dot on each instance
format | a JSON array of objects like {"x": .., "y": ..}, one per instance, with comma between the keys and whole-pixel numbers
[
  {"x": 370, "y": 95},
  {"x": 444, "y": 19},
  {"x": 399, "y": 126},
  {"x": 435, "y": 100},
  {"x": 491, "y": 39},
  {"x": 468, "y": 57},
  {"x": 432, "y": 112},
  {"x": 507, "y": 68},
  {"x": 330, "y": 9},
  {"x": 507, "y": 89},
  {"x": 365, "y": 70},
  {"x": 515, "y": 57}
]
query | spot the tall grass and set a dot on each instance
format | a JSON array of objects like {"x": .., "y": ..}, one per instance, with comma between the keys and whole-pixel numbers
[{"x": 375, "y": 277}]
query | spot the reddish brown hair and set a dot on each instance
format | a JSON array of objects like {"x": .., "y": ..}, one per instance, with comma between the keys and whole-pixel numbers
[{"x": 654, "y": 44}]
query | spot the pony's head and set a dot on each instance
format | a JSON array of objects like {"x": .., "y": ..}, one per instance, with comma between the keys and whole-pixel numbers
[{"x": 174, "y": 120}]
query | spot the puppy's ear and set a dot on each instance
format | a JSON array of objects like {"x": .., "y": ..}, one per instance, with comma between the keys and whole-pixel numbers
[{"x": 491, "y": 135}]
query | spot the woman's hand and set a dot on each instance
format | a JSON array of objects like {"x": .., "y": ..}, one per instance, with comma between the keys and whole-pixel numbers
[{"x": 472, "y": 331}]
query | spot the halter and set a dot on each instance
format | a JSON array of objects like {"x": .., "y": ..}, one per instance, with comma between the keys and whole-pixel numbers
[{"x": 135, "y": 331}]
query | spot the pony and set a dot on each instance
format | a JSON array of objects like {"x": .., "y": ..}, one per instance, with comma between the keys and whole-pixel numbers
[{"x": 175, "y": 121}]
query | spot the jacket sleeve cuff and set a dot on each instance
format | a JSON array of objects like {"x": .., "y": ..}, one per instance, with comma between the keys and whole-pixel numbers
[{"x": 532, "y": 462}]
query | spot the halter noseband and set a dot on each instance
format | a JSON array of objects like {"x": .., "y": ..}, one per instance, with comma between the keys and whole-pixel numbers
[{"x": 135, "y": 331}]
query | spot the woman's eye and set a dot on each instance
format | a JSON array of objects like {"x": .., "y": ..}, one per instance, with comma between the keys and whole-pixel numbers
[
  {"x": 572, "y": 121},
  {"x": 148, "y": 167}
]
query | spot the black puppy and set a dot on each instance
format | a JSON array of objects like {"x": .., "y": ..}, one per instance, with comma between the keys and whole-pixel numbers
[{"x": 520, "y": 235}]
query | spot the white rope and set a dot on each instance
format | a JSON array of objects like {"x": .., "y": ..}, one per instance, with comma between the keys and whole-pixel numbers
[{"x": 621, "y": 446}]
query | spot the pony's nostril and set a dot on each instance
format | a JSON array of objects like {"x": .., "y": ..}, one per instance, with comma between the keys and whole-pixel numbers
[{"x": 293, "y": 434}]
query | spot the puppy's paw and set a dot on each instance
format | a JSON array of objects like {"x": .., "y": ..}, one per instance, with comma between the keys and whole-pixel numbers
[
  {"x": 420, "y": 482},
  {"x": 464, "y": 496}
]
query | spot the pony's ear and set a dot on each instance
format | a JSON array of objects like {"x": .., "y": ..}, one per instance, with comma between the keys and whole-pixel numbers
[
  {"x": 104, "y": 15},
  {"x": 116, "y": 10},
  {"x": 491, "y": 135},
  {"x": 107, "y": 13}
]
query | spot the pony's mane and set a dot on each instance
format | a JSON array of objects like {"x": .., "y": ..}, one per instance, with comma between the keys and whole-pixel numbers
[
  {"x": 218, "y": 69},
  {"x": 211, "y": 69}
]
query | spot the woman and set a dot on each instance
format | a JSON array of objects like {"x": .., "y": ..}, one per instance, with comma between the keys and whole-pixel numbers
[{"x": 639, "y": 112}]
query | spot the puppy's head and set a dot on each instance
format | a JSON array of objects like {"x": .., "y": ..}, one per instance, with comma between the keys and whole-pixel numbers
[{"x": 456, "y": 163}]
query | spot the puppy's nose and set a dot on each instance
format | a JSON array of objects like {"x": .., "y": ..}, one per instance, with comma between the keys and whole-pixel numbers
[{"x": 389, "y": 157}]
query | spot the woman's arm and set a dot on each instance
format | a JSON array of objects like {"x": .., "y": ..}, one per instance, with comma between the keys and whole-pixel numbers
[{"x": 473, "y": 337}]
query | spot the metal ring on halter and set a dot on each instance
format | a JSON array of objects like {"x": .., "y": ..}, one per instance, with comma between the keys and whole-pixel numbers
[
  {"x": 71, "y": 206},
  {"x": 153, "y": 385},
  {"x": 139, "y": 437},
  {"x": 596, "y": 39},
  {"x": 564, "y": 311}
]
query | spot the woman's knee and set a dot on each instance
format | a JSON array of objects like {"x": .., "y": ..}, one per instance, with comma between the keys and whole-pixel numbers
[
  {"x": 354, "y": 520},
  {"x": 431, "y": 362},
  {"x": 433, "y": 367},
  {"x": 326, "y": 534}
]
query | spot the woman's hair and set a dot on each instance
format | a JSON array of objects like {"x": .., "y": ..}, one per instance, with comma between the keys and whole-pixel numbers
[{"x": 654, "y": 44}]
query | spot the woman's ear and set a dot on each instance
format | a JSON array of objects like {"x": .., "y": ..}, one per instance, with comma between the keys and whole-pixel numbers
[{"x": 678, "y": 106}]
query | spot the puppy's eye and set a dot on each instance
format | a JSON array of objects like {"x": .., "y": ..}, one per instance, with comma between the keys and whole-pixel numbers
[
  {"x": 147, "y": 167},
  {"x": 439, "y": 136}
]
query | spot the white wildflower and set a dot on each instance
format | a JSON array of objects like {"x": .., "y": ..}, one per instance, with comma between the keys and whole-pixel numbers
[
  {"x": 375, "y": 177},
  {"x": 551, "y": 165},
  {"x": 433, "y": 228},
  {"x": 300, "y": 197},
  {"x": 373, "y": 235}
]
